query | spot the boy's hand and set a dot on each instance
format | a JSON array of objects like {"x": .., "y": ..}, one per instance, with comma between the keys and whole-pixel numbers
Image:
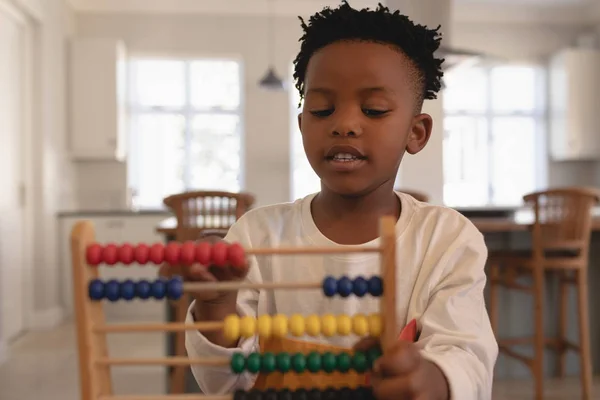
[{"x": 403, "y": 374}]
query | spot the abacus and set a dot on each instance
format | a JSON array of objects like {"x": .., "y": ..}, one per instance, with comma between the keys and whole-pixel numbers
[{"x": 90, "y": 291}]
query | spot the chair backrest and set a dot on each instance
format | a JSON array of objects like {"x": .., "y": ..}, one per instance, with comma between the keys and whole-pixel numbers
[
  {"x": 419, "y": 196},
  {"x": 563, "y": 218}
]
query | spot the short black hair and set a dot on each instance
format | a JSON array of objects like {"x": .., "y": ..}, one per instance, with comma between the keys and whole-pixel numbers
[{"x": 345, "y": 23}]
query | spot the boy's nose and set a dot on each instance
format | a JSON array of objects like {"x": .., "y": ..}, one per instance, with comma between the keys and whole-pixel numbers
[{"x": 347, "y": 125}]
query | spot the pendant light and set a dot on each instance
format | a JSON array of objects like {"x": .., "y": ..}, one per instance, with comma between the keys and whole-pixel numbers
[{"x": 271, "y": 81}]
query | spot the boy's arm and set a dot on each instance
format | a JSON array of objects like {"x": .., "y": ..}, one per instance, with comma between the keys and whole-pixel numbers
[{"x": 456, "y": 333}]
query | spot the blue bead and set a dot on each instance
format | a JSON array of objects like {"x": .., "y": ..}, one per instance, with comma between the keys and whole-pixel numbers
[
  {"x": 360, "y": 287},
  {"x": 329, "y": 286},
  {"x": 96, "y": 289},
  {"x": 159, "y": 289},
  {"x": 143, "y": 289},
  {"x": 127, "y": 290},
  {"x": 375, "y": 286},
  {"x": 112, "y": 290},
  {"x": 344, "y": 286},
  {"x": 175, "y": 288}
]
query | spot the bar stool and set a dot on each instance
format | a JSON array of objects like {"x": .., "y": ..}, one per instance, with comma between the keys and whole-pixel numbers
[{"x": 560, "y": 246}]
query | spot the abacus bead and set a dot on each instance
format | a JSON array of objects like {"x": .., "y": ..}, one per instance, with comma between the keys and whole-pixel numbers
[
  {"x": 126, "y": 253},
  {"x": 328, "y": 326},
  {"x": 219, "y": 254},
  {"x": 375, "y": 325},
  {"x": 96, "y": 289},
  {"x": 280, "y": 325},
  {"x": 127, "y": 290},
  {"x": 247, "y": 327},
  {"x": 157, "y": 253},
  {"x": 141, "y": 254},
  {"x": 143, "y": 289},
  {"x": 268, "y": 363},
  {"x": 313, "y": 325},
  {"x": 345, "y": 393},
  {"x": 284, "y": 362},
  {"x": 264, "y": 326},
  {"x": 238, "y": 363},
  {"x": 159, "y": 289},
  {"x": 314, "y": 394},
  {"x": 285, "y": 394},
  {"x": 231, "y": 328},
  {"x": 298, "y": 362},
  {"x": 328, "y": 362},
  {"x": 329, "y": 286},
  {"x": 253, "y": 363},
  {"x": 236, "y": 255},
  {"x": 373, "y": 354},
  {"x": 111, "y": 290},
  {"x": 270, "y": 394},
  {"x": 300, "y": 394},
  {"x": 344, "y": 325},
  {"x": 110, "y": 254},
  {"x": 329, "y": 394},
  {"x": 175, "y": 288},
  {"x": 344, "y": 362},
  {"x": 375, "y": 286},
  {"x": 360, "y": 325},
  {"x": 344, "y": 286},
  {"x": 297, "y": 325},
  {"x": 313, "y": 362},
  {"x": 93, "y": 254},
  {"x": 359, "y": 362},
  {"x": 188, "y": 253},
  {"x": 203, "y": 253},
  {"x": 360, "y": 286},
  {"x": 239, "y": 395},
  {"x": 172, "y": 253},
  {"x": 254, "y": 394}
]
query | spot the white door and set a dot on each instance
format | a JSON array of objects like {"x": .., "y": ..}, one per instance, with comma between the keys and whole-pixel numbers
[{"x": 12, "y": 65}]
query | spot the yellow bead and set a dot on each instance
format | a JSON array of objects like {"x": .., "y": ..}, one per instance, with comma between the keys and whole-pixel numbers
[
  {"x": 265, "y": 326},
  {"x": 231, "y": 330},
  {"x": 297, "y": 325},
  {"x": 375, "y": 325},
  {"x": 280, "y": 325},
  {"x": 344, "y": 325},
  {"x": 247, "y": 327},
  {"x": 328, "y": 325},
  {"x": 313, "y": 325},
  {"x": 360, "y": 326}
]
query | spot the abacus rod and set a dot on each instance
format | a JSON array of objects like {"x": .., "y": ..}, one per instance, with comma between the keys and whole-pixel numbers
[
  {"x": 160, "y": 327},
  {"x": 170, "y": 361},
  {"x": 168, "y": 397},
  {"x": 201, "y": 286},
  {"x": 314, "y": 250}
]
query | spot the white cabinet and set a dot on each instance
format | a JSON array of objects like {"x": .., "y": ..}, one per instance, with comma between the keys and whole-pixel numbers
[
  {"x": 98, "y": 99},
  {"x": 118, "y": 229},
  {"x": 574, "y": 108}
]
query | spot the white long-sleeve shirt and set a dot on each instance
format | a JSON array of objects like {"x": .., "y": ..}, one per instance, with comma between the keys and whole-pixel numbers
[{"x": 440, "y": 282}]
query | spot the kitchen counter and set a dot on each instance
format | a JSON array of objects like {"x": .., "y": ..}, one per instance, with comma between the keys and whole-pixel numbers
[{"x": 113, "y": 213}]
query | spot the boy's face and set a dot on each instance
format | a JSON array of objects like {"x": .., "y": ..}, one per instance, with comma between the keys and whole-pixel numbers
[{"x": 359, "y": 116}]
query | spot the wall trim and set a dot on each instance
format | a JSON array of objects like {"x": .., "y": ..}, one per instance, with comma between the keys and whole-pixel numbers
[{"x": 47, "y": 319}]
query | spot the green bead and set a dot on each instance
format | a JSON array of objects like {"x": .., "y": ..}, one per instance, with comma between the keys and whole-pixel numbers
[
  {"x": 344, "y": 361},
  {"x": 359, "y": 362},
  {"x": 328, "y": 362},
  {"x": 238, "y": 363},
  {"x": 284, "y": 362},
  {"x": 313, "y": 362},
  {"x": 253, "y": 363},
  {"x": 268, "y": 362},
  {"x": 299, "y": 362},
  {"x": 372, "y": 355}
]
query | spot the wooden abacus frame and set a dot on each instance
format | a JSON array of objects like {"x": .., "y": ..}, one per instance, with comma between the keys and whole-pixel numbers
[{"x": 94, "y": 361}]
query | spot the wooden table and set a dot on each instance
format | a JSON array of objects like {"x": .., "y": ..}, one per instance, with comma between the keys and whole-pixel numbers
[{"x": 507, "y": 225}]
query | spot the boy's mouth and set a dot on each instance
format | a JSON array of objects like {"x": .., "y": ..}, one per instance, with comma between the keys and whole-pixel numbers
[{"x": 345, "y": 158}]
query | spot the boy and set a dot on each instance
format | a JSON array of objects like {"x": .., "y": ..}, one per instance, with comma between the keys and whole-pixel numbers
[{"x": 364, "y": 76}]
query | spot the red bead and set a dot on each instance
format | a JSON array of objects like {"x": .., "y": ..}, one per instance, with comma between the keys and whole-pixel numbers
[
  {"x": 236, "y": 255},
  {"x": 126, "y": 253},
  {"x": 111, "y": 254},
  {"x": 219, "y": 254},
  {"x": 188, "y": 253},
  {"x": 93, "y": 254},
  {"x": 141, "y": 253},
  {"x": 157, "y": 253},
  {"x": 203, "y": 253},
  {"x": 172, "y": 253}
]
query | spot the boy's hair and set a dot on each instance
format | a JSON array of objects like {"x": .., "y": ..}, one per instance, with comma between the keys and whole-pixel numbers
[{"x": 345, "y": 23}]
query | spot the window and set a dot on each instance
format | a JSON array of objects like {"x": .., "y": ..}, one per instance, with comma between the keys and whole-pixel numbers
[
  {"x": 185, "y": 127},
  {"x": 494, "y": 135}
]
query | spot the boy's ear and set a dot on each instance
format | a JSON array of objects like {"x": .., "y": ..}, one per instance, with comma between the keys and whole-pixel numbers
[
  {"x": 419, "y": 134},
  {"x": 300, "y": 121}
]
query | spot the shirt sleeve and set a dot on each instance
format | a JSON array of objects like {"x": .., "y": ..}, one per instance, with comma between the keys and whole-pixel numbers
[
  {"x": 456, "y": 333},
  {"x": 214, "y": 380}
]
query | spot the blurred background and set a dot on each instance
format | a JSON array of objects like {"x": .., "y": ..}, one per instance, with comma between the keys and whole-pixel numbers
[{"x": 107, "y": 107}]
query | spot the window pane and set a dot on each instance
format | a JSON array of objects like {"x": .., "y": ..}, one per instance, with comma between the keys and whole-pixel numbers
[
  {"x": 466, "y": 90},
  {"x": 160, "y": 157},
  {"x": 159, "y": 83},
  {"x": 466, "y": 179},
  {"x": 513, "y": 88},
  {"x": 514, "y": 152},
  {"x": 215, "y": 84},
  {"x": 215, "y": 152}
]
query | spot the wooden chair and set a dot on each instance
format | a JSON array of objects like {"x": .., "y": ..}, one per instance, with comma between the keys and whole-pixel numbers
[
  {"x": 561, "y": 234},
  {"x": 199, "y": 214},
  {"x": 419, "y": 196}
]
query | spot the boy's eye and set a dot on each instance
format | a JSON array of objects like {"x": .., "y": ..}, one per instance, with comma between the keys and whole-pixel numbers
[
  {"x": 373, "y": 113},
  {"x": 322, "y": 113}
]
